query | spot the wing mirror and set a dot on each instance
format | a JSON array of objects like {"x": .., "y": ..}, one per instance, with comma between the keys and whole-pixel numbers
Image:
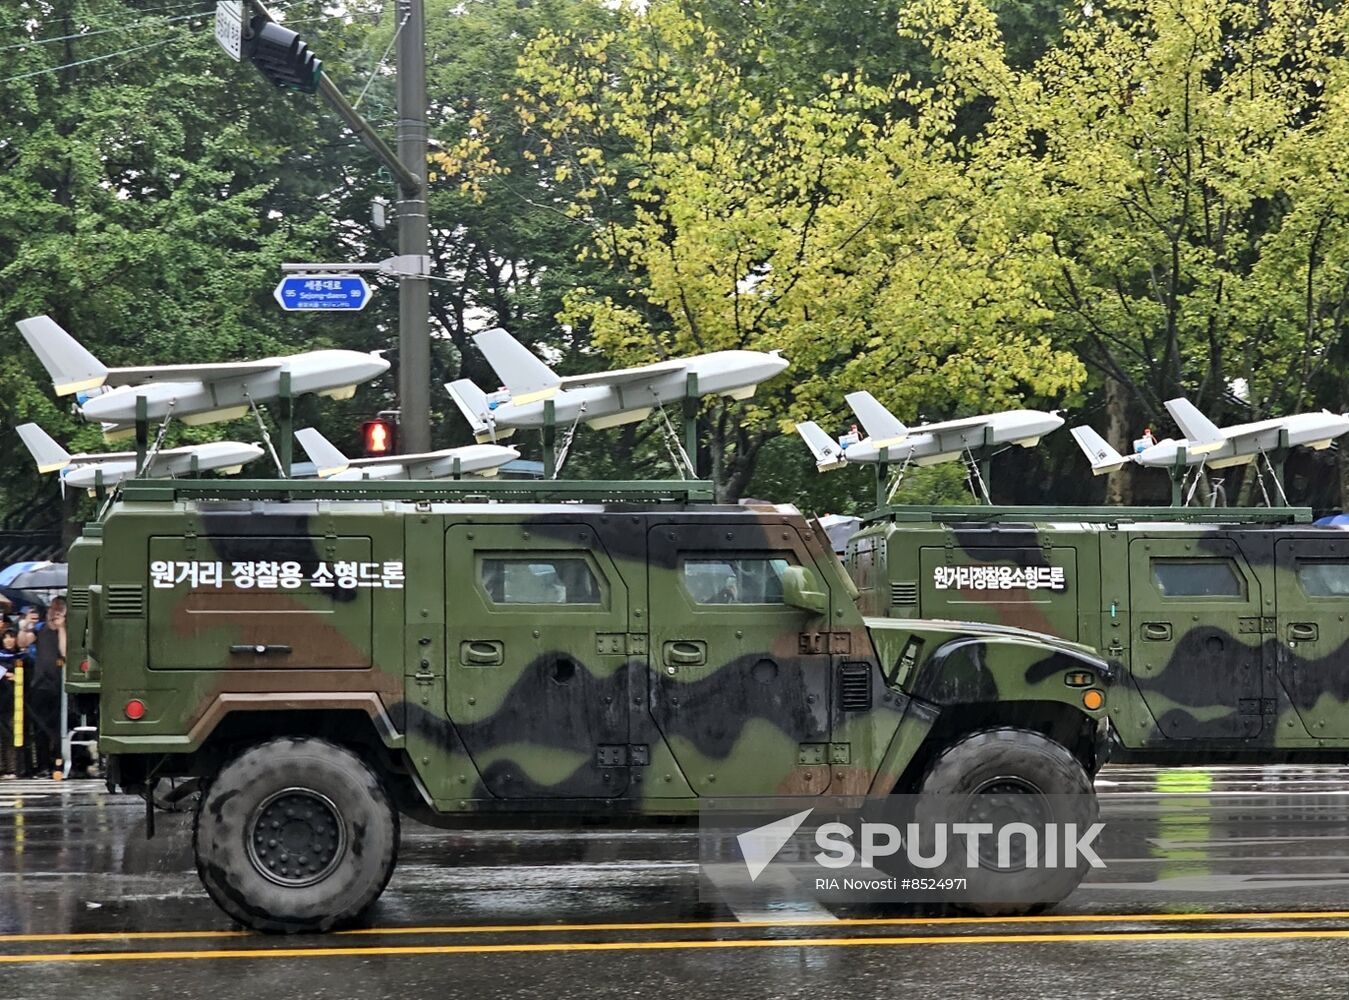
[{"x": 801, "y": 590}]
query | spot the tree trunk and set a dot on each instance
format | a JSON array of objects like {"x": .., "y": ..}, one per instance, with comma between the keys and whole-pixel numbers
[
  {"x": 731, "y": 469},
  {"x": 1342, "y": 467},
  {"x": 1119, "y": 485},
  {"x": 71, "y": 521}
]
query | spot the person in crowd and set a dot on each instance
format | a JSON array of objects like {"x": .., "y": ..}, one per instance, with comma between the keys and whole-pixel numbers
[
  {"x": 9, "y": 658},
  {"x": 45, "y": 690},
  {"x": 45, "y": 643},
  {"x": 28, "y": 624}
]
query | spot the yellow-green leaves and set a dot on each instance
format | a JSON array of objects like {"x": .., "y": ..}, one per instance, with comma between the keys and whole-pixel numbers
[{"x": 852, "y": 238}]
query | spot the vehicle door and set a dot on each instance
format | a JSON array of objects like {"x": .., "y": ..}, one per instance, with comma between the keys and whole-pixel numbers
[
  {"x": 537, "y": 658},
  {"x": 1195, "y": 618},
  {"x": 739, "y": 683},
  {"x": 1312, "y": 587}
]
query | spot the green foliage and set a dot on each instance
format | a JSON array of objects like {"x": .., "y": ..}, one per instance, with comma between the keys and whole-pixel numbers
[
  {"x": 146, "y": 201},
  {"x": 959, "y": 205},
  {"x": 848, "y": 237},
  {"x": 1173, "y": 170}
]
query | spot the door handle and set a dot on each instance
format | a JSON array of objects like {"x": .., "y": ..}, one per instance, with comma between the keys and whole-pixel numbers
[
  {"x": 686, "y": 653},
  {"x": 260, "y": 649},
  {"x": 1303, "y": 632},
  {"x": 1157, "y": 631},
  {"x": 482, "y": 653}
]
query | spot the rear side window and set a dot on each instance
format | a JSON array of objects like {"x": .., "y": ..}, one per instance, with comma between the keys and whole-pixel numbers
[
  {"x": 1323, "y": 577},
  {"x": 742, "y": 580},
  {"x": 538, "y": 579},
  {"x": 1197, "y": 578}
]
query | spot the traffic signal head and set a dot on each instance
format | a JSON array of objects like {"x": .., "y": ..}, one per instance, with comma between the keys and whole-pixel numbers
[
  {"x": 378, "y": 437},
  {"x": 282, "y": 57}
]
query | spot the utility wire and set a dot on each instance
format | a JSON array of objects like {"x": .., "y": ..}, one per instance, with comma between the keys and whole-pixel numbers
[
  {"x": 122, "y": 52},
  {"x": 158, "y": 43},
  {"x": 43, "y": 17},
  {"x": 151, "y": 15},
  {"x": 380, "y": 65},
  {"x": 104, "y": 31}
]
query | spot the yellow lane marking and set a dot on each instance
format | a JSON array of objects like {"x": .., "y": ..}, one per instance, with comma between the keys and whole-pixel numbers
[
  {"x": 594, "y": 946},
  {"x": 122, "y": 936},
  {"x": 695, "y": 925},
  {"x": 1057, "y": 918}
]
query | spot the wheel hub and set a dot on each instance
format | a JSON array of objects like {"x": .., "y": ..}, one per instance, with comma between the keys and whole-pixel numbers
[
  {"x": 296, "y": 837},
  {"x": 1000, "y": 802}
]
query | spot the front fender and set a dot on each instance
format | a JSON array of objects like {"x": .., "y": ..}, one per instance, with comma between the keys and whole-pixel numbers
[{"x": 1005, "y": 668}]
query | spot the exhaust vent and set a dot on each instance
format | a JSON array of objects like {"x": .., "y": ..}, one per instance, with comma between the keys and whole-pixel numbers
[
  {"x": 126, "y": 600},
  {"x": 854, "y": 688},
  {"x": 904, "y": 593}
]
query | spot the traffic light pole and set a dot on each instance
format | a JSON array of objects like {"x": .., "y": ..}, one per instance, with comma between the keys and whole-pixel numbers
[
  {"x": 408, "y": 167},
  {"x": 414, "y": 235}
]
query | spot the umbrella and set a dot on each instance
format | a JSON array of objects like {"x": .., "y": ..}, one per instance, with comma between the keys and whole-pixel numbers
[
  {"x": 21, "y": 598},
  {"x": 8, "y": 574},
  {"x": 52, "y": 576}
]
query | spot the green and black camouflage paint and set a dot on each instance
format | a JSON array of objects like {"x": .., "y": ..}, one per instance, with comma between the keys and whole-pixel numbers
[
  {"x": 640, "y": 703},
  {"x": 1259, "y": 673}
]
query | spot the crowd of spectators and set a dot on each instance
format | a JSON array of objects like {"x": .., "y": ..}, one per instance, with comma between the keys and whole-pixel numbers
[{"x": 32, "y": 658}]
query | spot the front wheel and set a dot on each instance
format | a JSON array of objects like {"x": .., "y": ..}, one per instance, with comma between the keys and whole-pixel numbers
[
  {"x": 1009, "y": 776},
  {"x": 295, "y": 835}
]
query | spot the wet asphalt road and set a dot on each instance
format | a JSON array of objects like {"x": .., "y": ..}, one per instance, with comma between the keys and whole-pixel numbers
[{"x": 1236, "y": 884}]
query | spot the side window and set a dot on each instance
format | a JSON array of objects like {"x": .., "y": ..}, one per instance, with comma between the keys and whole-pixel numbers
[
  {"x": 539, "y": 579},
  {"x": 1323, "y": 577},
  {"x": 1197, "y": 578},
  {"x": 734, "y": 580}
]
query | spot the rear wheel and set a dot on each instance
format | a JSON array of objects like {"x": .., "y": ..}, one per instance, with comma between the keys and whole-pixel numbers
[
  {"x": 295, "y": 835},
  {"x": 1005, "y": 776}
]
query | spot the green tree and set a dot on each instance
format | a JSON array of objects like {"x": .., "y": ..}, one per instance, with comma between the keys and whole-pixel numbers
[
  {"x": 1172, "y": 170},
  {"x": 848, "y": 237},
  {"x": 149, "y": 189}
]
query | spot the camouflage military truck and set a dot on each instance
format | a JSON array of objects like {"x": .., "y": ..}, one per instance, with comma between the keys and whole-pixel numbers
[
  {"x": 326, "y": 656},
  {"x": 1228, "y": 629}
]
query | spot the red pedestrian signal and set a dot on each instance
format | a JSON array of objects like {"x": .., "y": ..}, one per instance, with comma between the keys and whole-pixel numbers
[{"x": 378, "y": 437}]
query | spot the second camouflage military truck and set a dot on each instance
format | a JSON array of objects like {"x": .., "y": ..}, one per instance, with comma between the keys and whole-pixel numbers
[
  {"x": 1229, "y": 630},
  {"x": 325, "y": 656}
]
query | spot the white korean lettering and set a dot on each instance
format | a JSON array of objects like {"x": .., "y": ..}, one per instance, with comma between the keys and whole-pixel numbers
[
  {"x": 290, "y": 575},
  {"x": 268, "y": 575},
  {"x": 995, "y": 577},
  {"x": 347, "y": 573},
  {"x": 243, "y": 575},
  {"x": 161, "y": 574}
]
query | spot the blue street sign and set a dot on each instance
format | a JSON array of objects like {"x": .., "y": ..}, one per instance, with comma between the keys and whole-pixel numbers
[{"x": 327, "y": 292}]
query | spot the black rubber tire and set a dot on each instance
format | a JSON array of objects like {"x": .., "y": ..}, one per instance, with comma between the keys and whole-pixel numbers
[
  {"x": 964, "y": 767},
  {"x": 227, "y": 814}
]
